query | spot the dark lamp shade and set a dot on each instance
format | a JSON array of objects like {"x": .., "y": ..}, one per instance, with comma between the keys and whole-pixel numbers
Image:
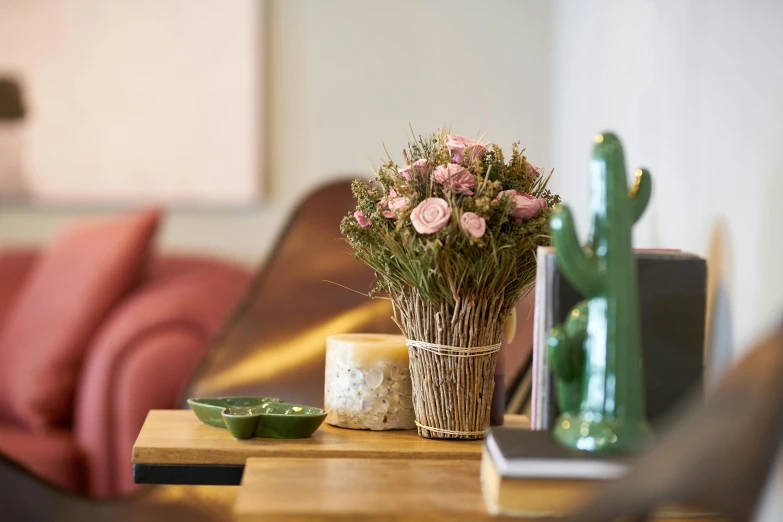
[{"x": 11, "y": 103}]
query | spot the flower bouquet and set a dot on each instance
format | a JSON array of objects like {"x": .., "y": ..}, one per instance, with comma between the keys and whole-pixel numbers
[{"x": 452, "y": 236}]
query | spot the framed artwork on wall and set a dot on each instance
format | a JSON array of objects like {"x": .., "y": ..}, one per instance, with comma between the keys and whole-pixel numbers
[{"x": 149, "y": 100}]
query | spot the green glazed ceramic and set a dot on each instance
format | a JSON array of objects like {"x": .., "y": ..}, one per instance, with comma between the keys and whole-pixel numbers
[
  {"x": 210, "y": 410},
  {"x": 247, "y": 417},
  {"x": 596, "y": 355},
  {"x": 276, "y": 421}
]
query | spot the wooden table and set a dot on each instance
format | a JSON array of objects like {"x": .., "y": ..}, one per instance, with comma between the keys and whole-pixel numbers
[
  {"x": 174, "y": 447},
  {"x": 335, "y": 475},
  {"x": 339, "y": 489},
  {"x": 359, "y": 489}
]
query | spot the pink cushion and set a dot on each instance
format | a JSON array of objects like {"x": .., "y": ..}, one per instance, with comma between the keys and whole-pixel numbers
[
  {"x": 15, "y": 265},
  {"x": 66, "y": 296},
  {"x": 53, "y": 456}
]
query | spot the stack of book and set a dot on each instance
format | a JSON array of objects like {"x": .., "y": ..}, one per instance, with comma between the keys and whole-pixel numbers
[{"x": 529, "y": 474}]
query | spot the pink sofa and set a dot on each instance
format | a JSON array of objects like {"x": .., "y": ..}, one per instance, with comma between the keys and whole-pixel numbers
[{"x": 139, "y": 358}]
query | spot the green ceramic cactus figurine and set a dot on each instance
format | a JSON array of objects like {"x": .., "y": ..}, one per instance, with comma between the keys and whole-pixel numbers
[{"x": 596, "y": 354}]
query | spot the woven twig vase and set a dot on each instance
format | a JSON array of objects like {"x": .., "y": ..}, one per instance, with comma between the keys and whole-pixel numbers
[{"x": 452, "y": 395}]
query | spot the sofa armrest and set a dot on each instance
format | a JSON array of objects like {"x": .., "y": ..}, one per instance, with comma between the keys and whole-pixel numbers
[
  {"x": 15, "y": 265},
  {"x": 140, "y": 359}
]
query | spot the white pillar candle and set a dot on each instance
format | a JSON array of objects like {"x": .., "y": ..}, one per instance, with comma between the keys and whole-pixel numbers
[{"x": 367, "y": 382}]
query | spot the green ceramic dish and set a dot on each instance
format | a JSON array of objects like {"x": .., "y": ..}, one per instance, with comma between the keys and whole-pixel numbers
[
  {"x": 210, "y": 410},
  {"x": 277, "y": 421},
  {"x": 247, "y": 417}
]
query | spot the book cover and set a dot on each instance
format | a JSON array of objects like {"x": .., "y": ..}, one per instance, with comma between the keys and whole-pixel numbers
[
  {"x": 520, "y": 453},
  {"x": 527, "y": 473},
  {"x": 672, "y": 303}
]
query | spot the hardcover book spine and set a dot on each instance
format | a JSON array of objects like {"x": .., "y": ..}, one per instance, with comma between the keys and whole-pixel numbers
[{"x": 543, "y": 320}]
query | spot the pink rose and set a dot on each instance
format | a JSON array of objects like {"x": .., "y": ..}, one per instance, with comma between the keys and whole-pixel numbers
[
  {"x": 460, "y": 146},
  {"x": 454, "y": 176},
  {"x": 361, "y": 219},
  {"x": 441, "y": 172},
  {"x": 473, "y": 224},
  {"x": 430, "y": 216},
  {"x": 462, "y": 183},
  {"x": 419, "y": 166},
  {"x": 478, "y": 150},
  {"x": 533, "y": 171},
  {"x": 384, "y": 202},
  {"x": 525, "y": 205},
  {"x": 394, "y": 205},
  {"x": 398, "y": 204}
]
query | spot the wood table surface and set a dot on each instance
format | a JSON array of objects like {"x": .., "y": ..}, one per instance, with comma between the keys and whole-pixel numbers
[
  {"x": 360, "y": 489},
  {"x": 178, "y": 437},
  {"x": 337, "y": 474},
  {"x": 342, "y": 489},
  {"x": 174, "y": 447}
]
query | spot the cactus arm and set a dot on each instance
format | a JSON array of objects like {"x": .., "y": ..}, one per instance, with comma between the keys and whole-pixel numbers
[
  {"x": 563, "y": 355},
  {"x": 565, "y": 346},
  {"x": 640, "y": 193},
  {"x": 579, "y": 269},
  {"x": 566, "y": 355},
  {"x": 560, "y": 355}
]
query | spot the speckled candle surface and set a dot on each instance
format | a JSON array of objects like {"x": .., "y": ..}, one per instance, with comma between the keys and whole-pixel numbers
[{"x": 367, "y": 382}]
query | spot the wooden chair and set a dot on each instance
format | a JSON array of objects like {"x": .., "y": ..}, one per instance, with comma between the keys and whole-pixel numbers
[
  {"x": 274, "y": 344},
  {"x": 718, "y": 456}
]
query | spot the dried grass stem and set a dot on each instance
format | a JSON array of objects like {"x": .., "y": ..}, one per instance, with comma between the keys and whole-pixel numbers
[{"x": 451, "y": 393}]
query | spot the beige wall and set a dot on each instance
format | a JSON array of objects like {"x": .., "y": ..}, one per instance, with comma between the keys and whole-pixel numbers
[
  {"x": 138, "y": 100},
  {"x": 346, "y": 74},
  {"x": 694, "y": 89}
]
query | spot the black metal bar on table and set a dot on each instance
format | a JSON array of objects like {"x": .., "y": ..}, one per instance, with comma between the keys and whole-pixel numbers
[{"x": 190, "y": 474}]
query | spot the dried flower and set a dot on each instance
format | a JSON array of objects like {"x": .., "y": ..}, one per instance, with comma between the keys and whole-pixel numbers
[
  {"x": 398, "y": 204},
  {"x": 460, "y": 146},
  {"x": 418, "y": 167},
  {"x": 484, "y": 204},
  {"x": 533, "y": 171},
  {"x": 525, "y": 205},
  {"x": 455, "y": 177},
  {"x": 473, "y": 224},
  {"x": 430, "y": 216},
  {"x": 462, "y": 183},
  {"x": 384, "y": 203},
  {"x": 361, "y": 219},
  {"x": 488, "y": 253},
  {"x": 441, "y": 172}
]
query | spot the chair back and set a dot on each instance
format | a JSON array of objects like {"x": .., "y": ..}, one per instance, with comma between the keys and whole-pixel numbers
[
  {"x": 275, "y": 343},
  {"x": 718, "y": 457}
]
